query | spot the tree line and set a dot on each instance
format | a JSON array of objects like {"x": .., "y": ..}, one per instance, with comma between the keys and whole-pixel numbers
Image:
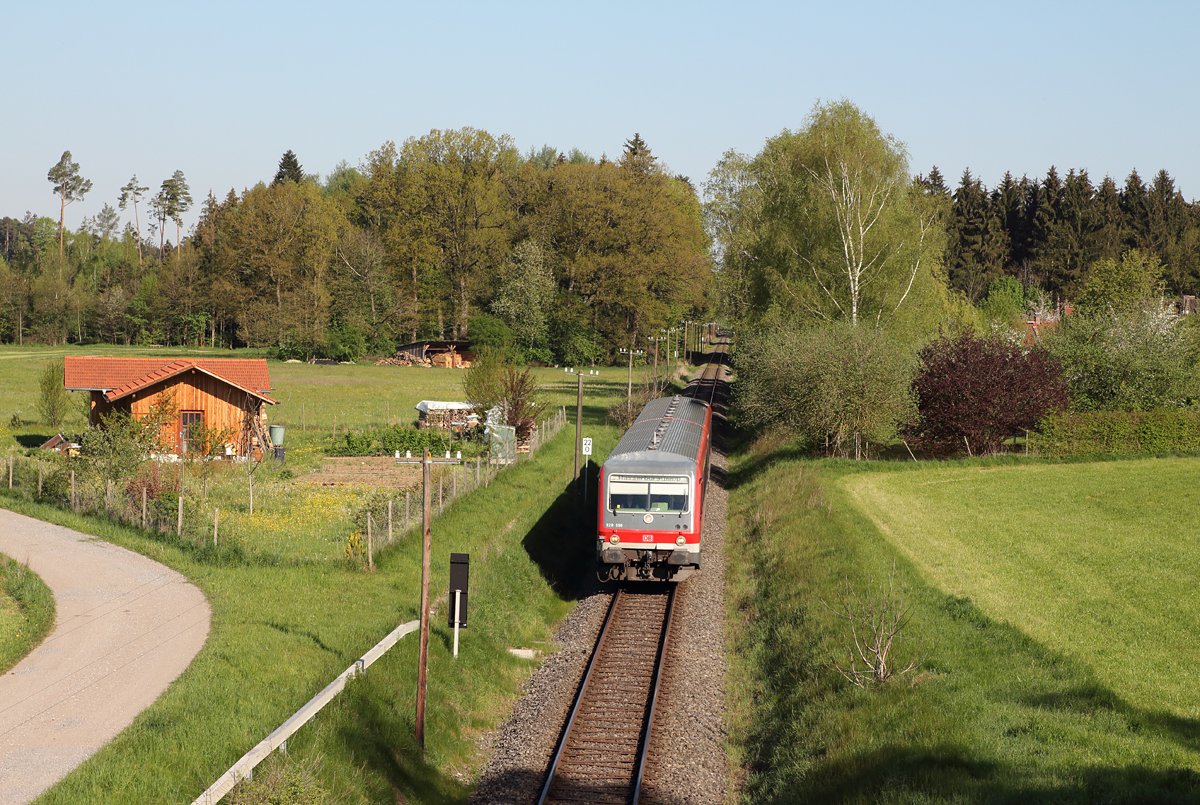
[
  {"x": 1048, "y": 233},
  {"x": 872, "y": 306},
  {"x": 455, "y": 234}
]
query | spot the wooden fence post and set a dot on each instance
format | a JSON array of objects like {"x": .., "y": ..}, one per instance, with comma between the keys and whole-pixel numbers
[{"x": 370, "y": 544}]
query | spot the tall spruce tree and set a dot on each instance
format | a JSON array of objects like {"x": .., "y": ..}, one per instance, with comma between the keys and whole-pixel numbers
[{"x": 289, "y": 169}]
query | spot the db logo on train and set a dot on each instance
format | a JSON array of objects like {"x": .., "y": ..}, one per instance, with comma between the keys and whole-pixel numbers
[{"x": 647, "y": 538}]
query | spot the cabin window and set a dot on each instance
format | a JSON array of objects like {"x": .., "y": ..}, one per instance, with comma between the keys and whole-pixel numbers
[
  {"x": 649, "y": 494},
  {"x": 187, "y": 421}
]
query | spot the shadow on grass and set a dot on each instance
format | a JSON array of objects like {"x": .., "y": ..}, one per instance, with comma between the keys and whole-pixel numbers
[
  {"x": 951, "y": 774},
  {"x": 379, "y": 738},
  {"x": 31, "y": 440},
  {"x": 1093, "y": 698},
  {"x": 561, "y": 542}
]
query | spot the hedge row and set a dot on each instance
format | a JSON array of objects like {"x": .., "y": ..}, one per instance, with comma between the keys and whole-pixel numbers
[
  {"x": 1096, "y": 432},
  {"x": 385, "y": 441}
]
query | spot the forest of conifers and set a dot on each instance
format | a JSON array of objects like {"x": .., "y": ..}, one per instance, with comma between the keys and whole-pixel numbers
[
  {"x": 454, "y": 234},
  {"x": 1048, "y": 233},
  {"x": 457, "y": 234}
]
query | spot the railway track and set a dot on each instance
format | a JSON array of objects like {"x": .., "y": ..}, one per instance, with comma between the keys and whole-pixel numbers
[{"x": 603, "y": 749}]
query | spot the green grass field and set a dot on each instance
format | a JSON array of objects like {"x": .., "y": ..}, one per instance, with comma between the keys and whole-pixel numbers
[
  {"x": 289, "y": 613},
  {"x": 1098, "y": 561},
  {"x": 282, "y": 630},
  {"x": 361, "y": 395},
  {"x": 1053, "y": 603},
  {"x": 26, "y": 612}
]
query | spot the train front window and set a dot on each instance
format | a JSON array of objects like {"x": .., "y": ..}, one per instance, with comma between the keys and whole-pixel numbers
[
  {"x": 670, "y": 497},
  {"x": 659, "y": 495}
]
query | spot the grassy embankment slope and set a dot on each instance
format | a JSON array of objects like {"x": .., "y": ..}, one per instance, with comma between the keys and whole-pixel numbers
[
  {"x": 286, "y": 620},
  {"x": 1058, "y": 607},
  {"x": 26, "y": 612}
]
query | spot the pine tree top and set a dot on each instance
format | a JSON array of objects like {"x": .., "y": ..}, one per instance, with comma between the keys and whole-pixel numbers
[{"x": 289, "y": 169}]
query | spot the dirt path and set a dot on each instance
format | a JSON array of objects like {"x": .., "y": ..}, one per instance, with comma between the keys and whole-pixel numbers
[{"x": 126, "y": 628}]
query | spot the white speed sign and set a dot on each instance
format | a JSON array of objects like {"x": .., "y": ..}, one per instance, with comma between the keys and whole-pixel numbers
[{"x": 587, "y": 445}]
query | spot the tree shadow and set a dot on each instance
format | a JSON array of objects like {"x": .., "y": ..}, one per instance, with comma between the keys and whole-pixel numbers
[
  {"x": 562, "y": 542},
  {"x": 32, "y": 440},
  {"x": 379, "y": 738},
  {"x": 951, "y": 774}
]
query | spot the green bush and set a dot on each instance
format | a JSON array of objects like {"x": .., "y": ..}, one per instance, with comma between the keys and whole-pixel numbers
[
  {"x": 385, "y": 441},
  {"x": 1099, "y": 432}
]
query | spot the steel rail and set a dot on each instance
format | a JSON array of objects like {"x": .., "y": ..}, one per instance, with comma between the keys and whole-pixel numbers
[
  {"x": 661, "y": 661},
  {"x": 582, "y": 698},
  {"x": 579, "y": 695}
]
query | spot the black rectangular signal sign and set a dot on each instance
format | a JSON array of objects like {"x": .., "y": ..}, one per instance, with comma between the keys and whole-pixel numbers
[{"x": 460, "y": 567}]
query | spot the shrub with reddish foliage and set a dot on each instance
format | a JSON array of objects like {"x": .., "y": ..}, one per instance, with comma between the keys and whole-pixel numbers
[
  {"x": 974, "y": 393},
  {"x": 154, "y": 480}
]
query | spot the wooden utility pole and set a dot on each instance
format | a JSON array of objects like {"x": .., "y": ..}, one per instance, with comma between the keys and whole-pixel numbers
[{"x": 426, "y": 572}]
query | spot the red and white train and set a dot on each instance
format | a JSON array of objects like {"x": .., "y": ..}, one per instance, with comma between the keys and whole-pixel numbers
[{"x": 652, "y": 492}]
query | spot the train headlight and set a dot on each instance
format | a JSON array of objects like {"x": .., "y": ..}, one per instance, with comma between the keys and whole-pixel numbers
[
  {"x": 679, "y": 540},
  {"x": 614, "y": 539}
]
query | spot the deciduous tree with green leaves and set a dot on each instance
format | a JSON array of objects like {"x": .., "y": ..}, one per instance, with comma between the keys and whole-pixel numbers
[{"x": 826, "y": 224}]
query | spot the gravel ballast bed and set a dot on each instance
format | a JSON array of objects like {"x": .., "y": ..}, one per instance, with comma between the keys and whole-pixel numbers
[{"x": 689, "y": 763}]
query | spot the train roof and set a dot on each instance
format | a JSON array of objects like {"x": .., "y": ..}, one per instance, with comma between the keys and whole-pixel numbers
[{"x": 668, "y": 430}]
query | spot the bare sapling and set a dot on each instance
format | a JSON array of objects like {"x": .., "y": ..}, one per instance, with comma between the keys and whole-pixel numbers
[{"x": 877, "y": 618}]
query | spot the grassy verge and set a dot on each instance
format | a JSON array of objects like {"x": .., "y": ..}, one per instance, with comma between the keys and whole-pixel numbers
[
  {"x": 26, "y": 612},
  {"x": 1004, "y": 710},
  {"x": 282, "y": 630}
]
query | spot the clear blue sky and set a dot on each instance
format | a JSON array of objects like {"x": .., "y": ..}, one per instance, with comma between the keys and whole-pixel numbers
[{"x": 220, "y": 90}]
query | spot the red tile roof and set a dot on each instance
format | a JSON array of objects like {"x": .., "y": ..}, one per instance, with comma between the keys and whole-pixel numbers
[{"x": 118, "y": 377}]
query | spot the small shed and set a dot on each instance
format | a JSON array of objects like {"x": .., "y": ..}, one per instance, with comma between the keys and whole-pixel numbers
[
  {"x": 445, "y": 415},
  {"x": 223, "y": 393}
]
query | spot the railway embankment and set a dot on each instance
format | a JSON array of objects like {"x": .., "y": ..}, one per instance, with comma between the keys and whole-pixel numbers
[{"x": 1052, "y": 626}]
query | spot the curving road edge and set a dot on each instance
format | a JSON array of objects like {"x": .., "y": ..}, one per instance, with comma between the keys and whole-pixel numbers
[{"x": 126, "y": 627}]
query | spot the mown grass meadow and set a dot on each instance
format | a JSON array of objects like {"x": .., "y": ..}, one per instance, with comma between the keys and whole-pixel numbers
[{"x": 1023, "y": 581}]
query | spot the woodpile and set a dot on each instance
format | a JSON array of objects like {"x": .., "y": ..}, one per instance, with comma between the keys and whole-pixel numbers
[
  {"x": 441, "y": 360},
  {"x": 401, "y": 359}
]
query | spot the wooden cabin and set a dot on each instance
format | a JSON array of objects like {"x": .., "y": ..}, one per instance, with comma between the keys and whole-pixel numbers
[{"x": 224, "y": 393}]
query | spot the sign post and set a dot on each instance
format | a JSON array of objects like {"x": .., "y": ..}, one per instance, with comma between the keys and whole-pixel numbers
[
  {"x": 587, "y": 452},
  {"x": 460, "y": 573}
]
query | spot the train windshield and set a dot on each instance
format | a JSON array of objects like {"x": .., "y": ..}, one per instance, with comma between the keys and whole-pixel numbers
[{"x": 647, "y": 494}]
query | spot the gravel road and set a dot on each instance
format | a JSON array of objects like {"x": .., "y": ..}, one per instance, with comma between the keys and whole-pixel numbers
[{"x": 126, "y": 627}]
